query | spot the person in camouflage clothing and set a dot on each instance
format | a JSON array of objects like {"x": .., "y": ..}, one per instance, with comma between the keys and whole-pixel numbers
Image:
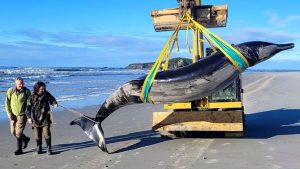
[
  {"x": 38, "y": 113},
  {"x": 15, "y": 105}
]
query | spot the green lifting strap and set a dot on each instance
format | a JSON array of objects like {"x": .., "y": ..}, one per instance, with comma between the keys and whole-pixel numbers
[
  {"x": 241, "y": 64},
  {"x": 148, "y": 83},
  {"x": 236, "y": 58}
]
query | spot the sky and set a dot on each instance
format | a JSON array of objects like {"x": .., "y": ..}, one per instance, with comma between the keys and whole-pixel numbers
[{"x": 98, "y": 33}]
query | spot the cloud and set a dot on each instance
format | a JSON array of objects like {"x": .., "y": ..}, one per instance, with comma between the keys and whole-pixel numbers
[
  {"x": 282, "y": 22},
  {"x": 37, "y": 54},
  {"x": 261, "y": 34},
  {"x": 147, "y": 44},
  {"x": 36, "y": 47},
  {"x": 34, "y": 34},
  {"x": 26, "y": 53},
  {"x": 102, "y": 41}
]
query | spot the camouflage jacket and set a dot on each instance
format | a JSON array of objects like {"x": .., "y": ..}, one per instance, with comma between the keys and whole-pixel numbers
[{"x": 38, "y": 107}]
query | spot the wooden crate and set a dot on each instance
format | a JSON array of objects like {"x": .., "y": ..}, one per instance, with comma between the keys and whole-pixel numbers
[{"x": 209, "y": 16}]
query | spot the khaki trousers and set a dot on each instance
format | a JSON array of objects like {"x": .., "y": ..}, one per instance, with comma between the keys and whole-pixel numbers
[
  {"x": 17, "y": 126},
  {"x": 42, "y": 131}
]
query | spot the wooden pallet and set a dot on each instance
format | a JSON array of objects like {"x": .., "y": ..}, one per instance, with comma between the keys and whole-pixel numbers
[{"x": 225, "y": 121}]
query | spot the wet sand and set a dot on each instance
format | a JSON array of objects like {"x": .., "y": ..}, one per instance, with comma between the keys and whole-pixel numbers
[{"x": 271, "y": 141}]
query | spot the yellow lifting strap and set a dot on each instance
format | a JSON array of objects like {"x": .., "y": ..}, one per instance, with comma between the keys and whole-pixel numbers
[
  {"x": 236, "y": 58},
  {"x": 175, "y": 40},
  {"x": 145, "y": 96}
]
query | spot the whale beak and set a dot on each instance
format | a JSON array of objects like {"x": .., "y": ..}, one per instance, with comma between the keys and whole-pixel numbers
[{"x": 286, "y": 46}]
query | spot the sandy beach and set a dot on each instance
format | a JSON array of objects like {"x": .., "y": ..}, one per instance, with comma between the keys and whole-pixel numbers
[{"x": 271, "y": 141}]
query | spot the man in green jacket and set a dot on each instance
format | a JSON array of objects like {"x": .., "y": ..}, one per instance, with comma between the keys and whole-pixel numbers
[{"x": 15, "y": 105}]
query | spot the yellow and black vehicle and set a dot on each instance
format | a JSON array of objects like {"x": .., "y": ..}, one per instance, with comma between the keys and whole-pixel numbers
[{"x": 222, "y": 111}]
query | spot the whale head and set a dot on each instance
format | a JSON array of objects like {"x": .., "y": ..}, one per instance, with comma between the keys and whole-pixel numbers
[{"x": 258, "y": 51}]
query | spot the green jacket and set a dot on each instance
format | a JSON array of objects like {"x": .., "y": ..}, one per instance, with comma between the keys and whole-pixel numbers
[{"x": 16, "y": 101}]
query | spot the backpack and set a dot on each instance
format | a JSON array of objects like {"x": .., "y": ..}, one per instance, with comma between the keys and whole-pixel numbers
[{"x": 14, "y": 91}]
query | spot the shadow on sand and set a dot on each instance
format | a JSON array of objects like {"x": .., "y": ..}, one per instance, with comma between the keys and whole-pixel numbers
[
  {"x": 272, "y": 123},
  {"x": 59, "y": 148},
  {"x": 146, "y": 138},
  {"x": 261, "y": 125}
]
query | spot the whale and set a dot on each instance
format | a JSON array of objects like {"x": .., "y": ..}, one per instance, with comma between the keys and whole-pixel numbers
[{"x": 189, "y": 83}]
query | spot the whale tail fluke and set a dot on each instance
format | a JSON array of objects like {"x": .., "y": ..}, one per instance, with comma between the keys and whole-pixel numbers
[{"x": 92, "y": 129}]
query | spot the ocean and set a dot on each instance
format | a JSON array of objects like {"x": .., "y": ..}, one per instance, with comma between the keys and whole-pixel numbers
[
  {"x": 76, "y": 87},
  {"x": 72, "y": 87}
]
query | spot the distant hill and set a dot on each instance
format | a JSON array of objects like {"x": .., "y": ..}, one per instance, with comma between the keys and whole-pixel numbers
[{"x": 173, "y": 63}]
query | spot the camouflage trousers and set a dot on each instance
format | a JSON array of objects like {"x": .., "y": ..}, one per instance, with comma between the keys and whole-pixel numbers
[
  {"x": 43, "y": 131},
  {"x": 17, "y": 126}
]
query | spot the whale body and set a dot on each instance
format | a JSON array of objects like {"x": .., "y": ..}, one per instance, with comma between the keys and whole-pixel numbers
[{"x": 189, "y": 83}]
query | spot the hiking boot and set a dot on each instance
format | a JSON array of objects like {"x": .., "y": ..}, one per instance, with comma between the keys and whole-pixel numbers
[
  {"x": 26, "y": 141},
  {"x": 39, "y": 147},
  {"x": 49, "y": 150},
  {"x": 19, "y": 146}
]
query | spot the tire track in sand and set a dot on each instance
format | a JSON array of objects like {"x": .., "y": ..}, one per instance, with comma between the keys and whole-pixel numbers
[
  {"x": 258, "y": 84},
  {"x": 189, "y": 152}
]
